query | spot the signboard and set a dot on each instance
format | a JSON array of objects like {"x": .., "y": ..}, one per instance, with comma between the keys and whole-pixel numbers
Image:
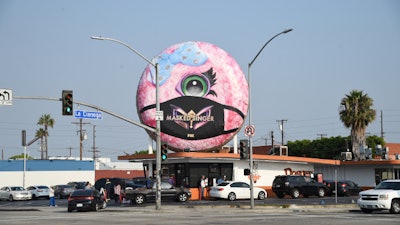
[
  {"x": 5, "y": 97},
  {"x": 81, "y": 114},
  {"x": 160, "y": 115},
  {"x": 203, "y": 96},
  {"x": 249, "y": 130}
]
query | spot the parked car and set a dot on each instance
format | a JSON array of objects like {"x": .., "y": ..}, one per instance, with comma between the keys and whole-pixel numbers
[
  {"x": 39, "y": 191},
  {"x": 63, "y": 190},
  {"x": 344, "y": 188},
  {"x": 233, "y": 190},
  {"x": 385, "y": 196},
  {"x": 12, "y": 193},
  {"x": 78, "y": 185},
  {"x": 296, "y": 185},
  {"x": 86, "y": 199},
  {"x": 168, "y": 192}
]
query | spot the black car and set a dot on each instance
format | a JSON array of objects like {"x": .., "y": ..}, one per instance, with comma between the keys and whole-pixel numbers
[
  {"x": 344, "y": 188},
  {"x": 86, "y": 199},
  {"x": 63, "y": 190},
  {"x": 168, "y": 192},
  {"x": 295, "y": 186},
  {"x": 78, "y": 185}
]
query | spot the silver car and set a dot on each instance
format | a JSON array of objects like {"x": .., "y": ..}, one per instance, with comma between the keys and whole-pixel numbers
[{"x": 12, "y": 193}]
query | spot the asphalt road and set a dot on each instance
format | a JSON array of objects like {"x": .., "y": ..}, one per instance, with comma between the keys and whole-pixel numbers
[{"x": 310, "y": 211}]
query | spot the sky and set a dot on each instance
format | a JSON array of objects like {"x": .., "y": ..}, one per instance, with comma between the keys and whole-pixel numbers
[{"x": 300, "y": 77}]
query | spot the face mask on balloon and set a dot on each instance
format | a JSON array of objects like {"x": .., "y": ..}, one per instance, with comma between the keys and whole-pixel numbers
[{"x": 194, "y": 118}]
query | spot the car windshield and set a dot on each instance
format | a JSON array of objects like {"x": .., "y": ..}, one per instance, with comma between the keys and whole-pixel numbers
[
  {"x": 223, "y": 184},
  {"x": 82, "y": 193},
  {"x": 42, "y": 187},
  {"x": 17, "y": 189},
  {"x": 389, "y": 185}
]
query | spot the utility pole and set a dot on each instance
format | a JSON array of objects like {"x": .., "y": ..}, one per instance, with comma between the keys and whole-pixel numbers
[
  {"x": 321, "y": 135},
  {"x": 94, "y": 143},
  {"x": 382, "y": 133},
  {"x": 80, "y": 137},
  {"x": 281, "y": 127}
]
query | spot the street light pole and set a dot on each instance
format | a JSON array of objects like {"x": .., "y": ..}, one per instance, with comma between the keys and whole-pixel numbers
[
  {"x": 250, "y": 136},
  {"x": 158, "y": 123}
]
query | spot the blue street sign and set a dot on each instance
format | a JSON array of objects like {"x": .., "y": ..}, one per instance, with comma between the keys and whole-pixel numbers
[{"x": 81, "y": 114}]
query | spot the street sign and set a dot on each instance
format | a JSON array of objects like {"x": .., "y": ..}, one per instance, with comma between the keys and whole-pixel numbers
[
  {"x": 160, "y": 115},
  {"x": 5, "y": 97},
  {"x": 249, "y": 130},
  {"x": 81, "y": 114}
]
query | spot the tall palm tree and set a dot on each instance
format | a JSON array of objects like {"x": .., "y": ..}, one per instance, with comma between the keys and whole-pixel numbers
[
  {"x": 356, "y": 113},
  {"x": 40, "y": 134},
  {"x": 46, "y": 121}
]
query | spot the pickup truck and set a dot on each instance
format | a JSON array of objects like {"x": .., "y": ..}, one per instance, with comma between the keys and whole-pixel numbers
[{"x": 385, "y": 196}]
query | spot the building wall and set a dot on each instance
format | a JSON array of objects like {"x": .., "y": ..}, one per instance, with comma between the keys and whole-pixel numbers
[{"x": 45, "y": 172}]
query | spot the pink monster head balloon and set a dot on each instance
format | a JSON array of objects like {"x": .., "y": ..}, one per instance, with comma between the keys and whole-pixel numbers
[{"x": 203, "y": 94}]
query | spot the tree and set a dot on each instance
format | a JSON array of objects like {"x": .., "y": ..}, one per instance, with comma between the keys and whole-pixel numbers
[
  {"x": 356, "y": 113},
  {"x": 46, "y": 121},
  {"x": 40, "y": 134}
]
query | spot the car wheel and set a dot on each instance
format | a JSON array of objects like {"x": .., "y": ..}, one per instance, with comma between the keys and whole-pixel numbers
[
  {"x": 182, "y": 197},
  {"x": 295, "y": 193},
  {"x": 33, "y": 196},
  {"x": 96, "y": 207},
  {"x": 364, "y": 210},
  {"x": 395, "y": 208},
  {"x": 261, "y": 195},
  {"x": 10, "y": 198},
  {"x": 321, "y": 192},
  {"x": 232, "y": 196},
  {"x": 140, "y": 199}
]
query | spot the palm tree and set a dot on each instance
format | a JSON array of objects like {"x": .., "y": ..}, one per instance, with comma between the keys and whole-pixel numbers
[
  {"x": 356, "y": 113},
  {"x": 46, "y": 121},
  {"x": 40, "y": 134}
]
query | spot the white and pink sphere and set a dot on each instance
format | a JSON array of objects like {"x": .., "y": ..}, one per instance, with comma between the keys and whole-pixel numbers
[{"x": 203, "y": 95}]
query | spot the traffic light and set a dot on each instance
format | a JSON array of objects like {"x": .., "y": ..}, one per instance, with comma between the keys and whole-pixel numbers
[
  {"x": 67, "y": 103},
  {"x": 244, "y": 149},
  {"x": 164, "y": 152}
]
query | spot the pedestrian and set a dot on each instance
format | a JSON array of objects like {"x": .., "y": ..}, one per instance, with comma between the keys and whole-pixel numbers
[
  {"x": 202, "y": 186},
  {"x": 88, "y": 185},
  {"x": 117, "y": 194},
  {"x": 107, "y": 188},
  {"x": 52, "y": 202}
]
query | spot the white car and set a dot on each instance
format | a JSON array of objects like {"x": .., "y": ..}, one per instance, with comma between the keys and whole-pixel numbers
[
  {"x": 386, "y": 196},
  {"x": 39, "y": 191},
  {"x": 233, "y": 190},
  {"x": 12, "y": 193}
]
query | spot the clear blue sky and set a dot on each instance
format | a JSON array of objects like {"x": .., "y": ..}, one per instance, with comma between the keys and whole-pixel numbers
[{"x": 335, "y": 47}]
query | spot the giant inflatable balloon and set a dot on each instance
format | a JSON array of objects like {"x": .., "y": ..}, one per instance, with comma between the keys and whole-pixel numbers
[{"x": 203, "y": 96}]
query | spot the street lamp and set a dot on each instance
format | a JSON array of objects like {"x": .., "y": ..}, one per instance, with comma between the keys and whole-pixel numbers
[
  {"x": 158, "y": 125},
  {"x": 250, "y": 136}
]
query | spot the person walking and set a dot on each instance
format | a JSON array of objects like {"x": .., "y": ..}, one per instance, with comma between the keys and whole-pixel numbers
[
  {"x": 52, "y": 202},
  {"x": 117, "y": 194},
  {"x": 202, "y": 186},
  {"x": 107, "y": 189}
]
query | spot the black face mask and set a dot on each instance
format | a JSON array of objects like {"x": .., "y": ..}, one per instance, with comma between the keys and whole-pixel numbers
[{"x": 194, "y": 118}]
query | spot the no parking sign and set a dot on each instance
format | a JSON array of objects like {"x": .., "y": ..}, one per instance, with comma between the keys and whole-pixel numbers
[{"x": 249, "y": 130}]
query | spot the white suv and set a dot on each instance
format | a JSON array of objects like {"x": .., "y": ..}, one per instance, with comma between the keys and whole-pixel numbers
[{"x": 386, "y": 196}]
